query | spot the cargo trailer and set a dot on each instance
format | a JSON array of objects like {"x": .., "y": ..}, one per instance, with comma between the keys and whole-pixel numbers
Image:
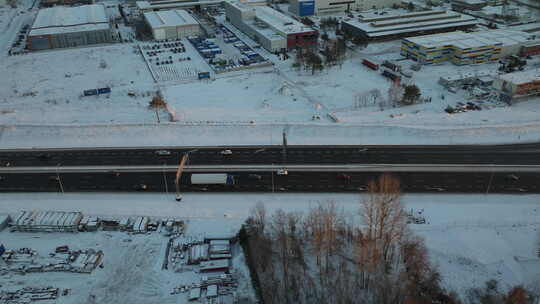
[{"x": 212, "y": 179}]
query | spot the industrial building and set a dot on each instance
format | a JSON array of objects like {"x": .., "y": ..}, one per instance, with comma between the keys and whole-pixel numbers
[
  {"x": 158, "y": 5},
  {"x": 51, "y": 3},
  {"x": 302, "y": 8},
  {"x": 271, "y": 29},
  {"x": 393, "y": 26},
  {"x": 61, "y": 27},
  {"x": 469, "y": 5},
  {"x": 464, "y": 48},
  {"x": 321, "y": 7},
  {"x": 173, "y": 24},
  {"x": 517, "y": 85}
]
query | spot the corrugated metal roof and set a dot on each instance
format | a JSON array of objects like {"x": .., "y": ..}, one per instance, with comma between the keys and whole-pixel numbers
[
  {"x": 521, "y": 77},
  {"x": 62, "y": 19},
  {"x": 473, "y": 39},
  {"x": 170, "y": 18}
]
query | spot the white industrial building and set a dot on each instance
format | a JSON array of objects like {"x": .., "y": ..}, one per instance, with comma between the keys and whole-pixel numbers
[
  {"x": 465, "y": 48},
  {"x": 518, "y": 84},
  {"x": 173, "y": 24},
  {"x": 392, "y": 26},
  {"x": 272, "y": 29},
  {"x": 150, "y": 6},
  {"x": 62, "y": 26},
  {"x": 321, "y": 7}
]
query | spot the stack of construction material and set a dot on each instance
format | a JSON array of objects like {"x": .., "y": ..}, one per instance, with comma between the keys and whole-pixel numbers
[
  {"x": 4, "y": 221},
  {"x": 47, "y": 221},
  {"x": 87, "y": 261},
  {"x": 89, "y": 223},
  {"x": 198, "y": 253},
  {"x": 220, "y": 249},
  {"x": 141, "y": 224},
  {"x": 215, "y": 266}
]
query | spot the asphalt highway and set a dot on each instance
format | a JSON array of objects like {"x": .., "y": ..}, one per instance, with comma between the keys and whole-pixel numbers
[
  {"x": 528, "y": 154},
  {"x": 295, "y": 181},
  {"x": 312, "y": 168}
]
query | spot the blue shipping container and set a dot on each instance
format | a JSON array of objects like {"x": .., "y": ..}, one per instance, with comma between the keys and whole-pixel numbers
[
  {"x": 104, "y": 90},
  {"x": 204, "y": 75},
  {"x": 90, "y": 92},
  {"x": 306, "y": 8}
]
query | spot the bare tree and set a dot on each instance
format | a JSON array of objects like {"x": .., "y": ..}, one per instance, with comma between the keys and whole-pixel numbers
[
  {"x": 258, "y": 214},
  {"x": 383, "y": 216}
]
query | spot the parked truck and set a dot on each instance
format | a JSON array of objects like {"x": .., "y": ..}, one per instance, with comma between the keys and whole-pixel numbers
[
  {"x": 391, "y": 75},
  {"x": 392, "y": 66}
]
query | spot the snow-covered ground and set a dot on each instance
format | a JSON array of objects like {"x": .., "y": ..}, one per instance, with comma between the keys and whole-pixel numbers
[
  {"x": 46, "y": 87},
  {"x": 41, "y": 103},
  {"x": 472, "y": 238}
]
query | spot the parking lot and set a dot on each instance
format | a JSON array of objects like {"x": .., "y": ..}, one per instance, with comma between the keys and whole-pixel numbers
[
  {"x": 173, "y": 60},
  {"x": 227, "y": 52}
]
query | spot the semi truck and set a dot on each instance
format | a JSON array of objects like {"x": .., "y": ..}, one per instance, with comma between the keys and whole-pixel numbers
[{"x": 212, "y": 179}]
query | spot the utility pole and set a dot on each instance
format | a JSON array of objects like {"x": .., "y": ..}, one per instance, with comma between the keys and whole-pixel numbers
[
  {"x": 59, "y": 180},
  {"x": 490, "y": 180},
  {"x": 157, "y": 115},
  {"x": 165, "y": 179},
  {"x": 284, "y": 150},
  {"x": 272, "y": 180}
]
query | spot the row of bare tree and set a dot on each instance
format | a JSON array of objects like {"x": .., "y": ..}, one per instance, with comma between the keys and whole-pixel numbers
[{"x": 325, "y": 257}]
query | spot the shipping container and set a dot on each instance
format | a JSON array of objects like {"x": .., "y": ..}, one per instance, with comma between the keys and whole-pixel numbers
[
  {"x": 90, "y": 92},
  {"x": 370, "y": 64},
  {"x": 104, "y": 90}
]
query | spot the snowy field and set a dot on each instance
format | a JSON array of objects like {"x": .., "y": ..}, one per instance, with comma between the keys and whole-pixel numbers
[
  {"x": 41, "y": 103},
  {"x": 254, "y": 96},
  {"x": 46, "y": 87},
  {"x": 472, "y": 238}
]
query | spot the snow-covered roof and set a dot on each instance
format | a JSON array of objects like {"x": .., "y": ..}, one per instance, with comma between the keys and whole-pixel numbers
[
  {"x": 529, "y": 27},
  {"x": 170, "y": 18},
  {"x": 62, "y": 19},
  {"x": 377, "y": 26},
  {"x": 277, "y": 21},
  {"x": 471, "y": 2},
  {"x": 163, "y": 5},
  {"x": 464, "y": 40},
  {"x": 521, "y": 77},
  {"x": 280, "y": 22}
]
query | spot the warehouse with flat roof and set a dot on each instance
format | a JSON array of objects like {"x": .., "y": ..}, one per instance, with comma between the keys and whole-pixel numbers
[
  {"x": 272, "y": 29},
  {"x": 323, "y": 7},
  {"x": 150, "y": 6},
  {"x": 61, "y": 27},
  {"x": 393, "y": 26},
  {"x": 173, "y": 24},
  {"x": 517, "y": 85},
  {"x": 464, "y": 48}
]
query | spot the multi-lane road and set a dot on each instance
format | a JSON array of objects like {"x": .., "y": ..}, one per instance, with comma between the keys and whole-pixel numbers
[
  {"x": 496, "y": 154},
  {"x": 484, "y": 169}
]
